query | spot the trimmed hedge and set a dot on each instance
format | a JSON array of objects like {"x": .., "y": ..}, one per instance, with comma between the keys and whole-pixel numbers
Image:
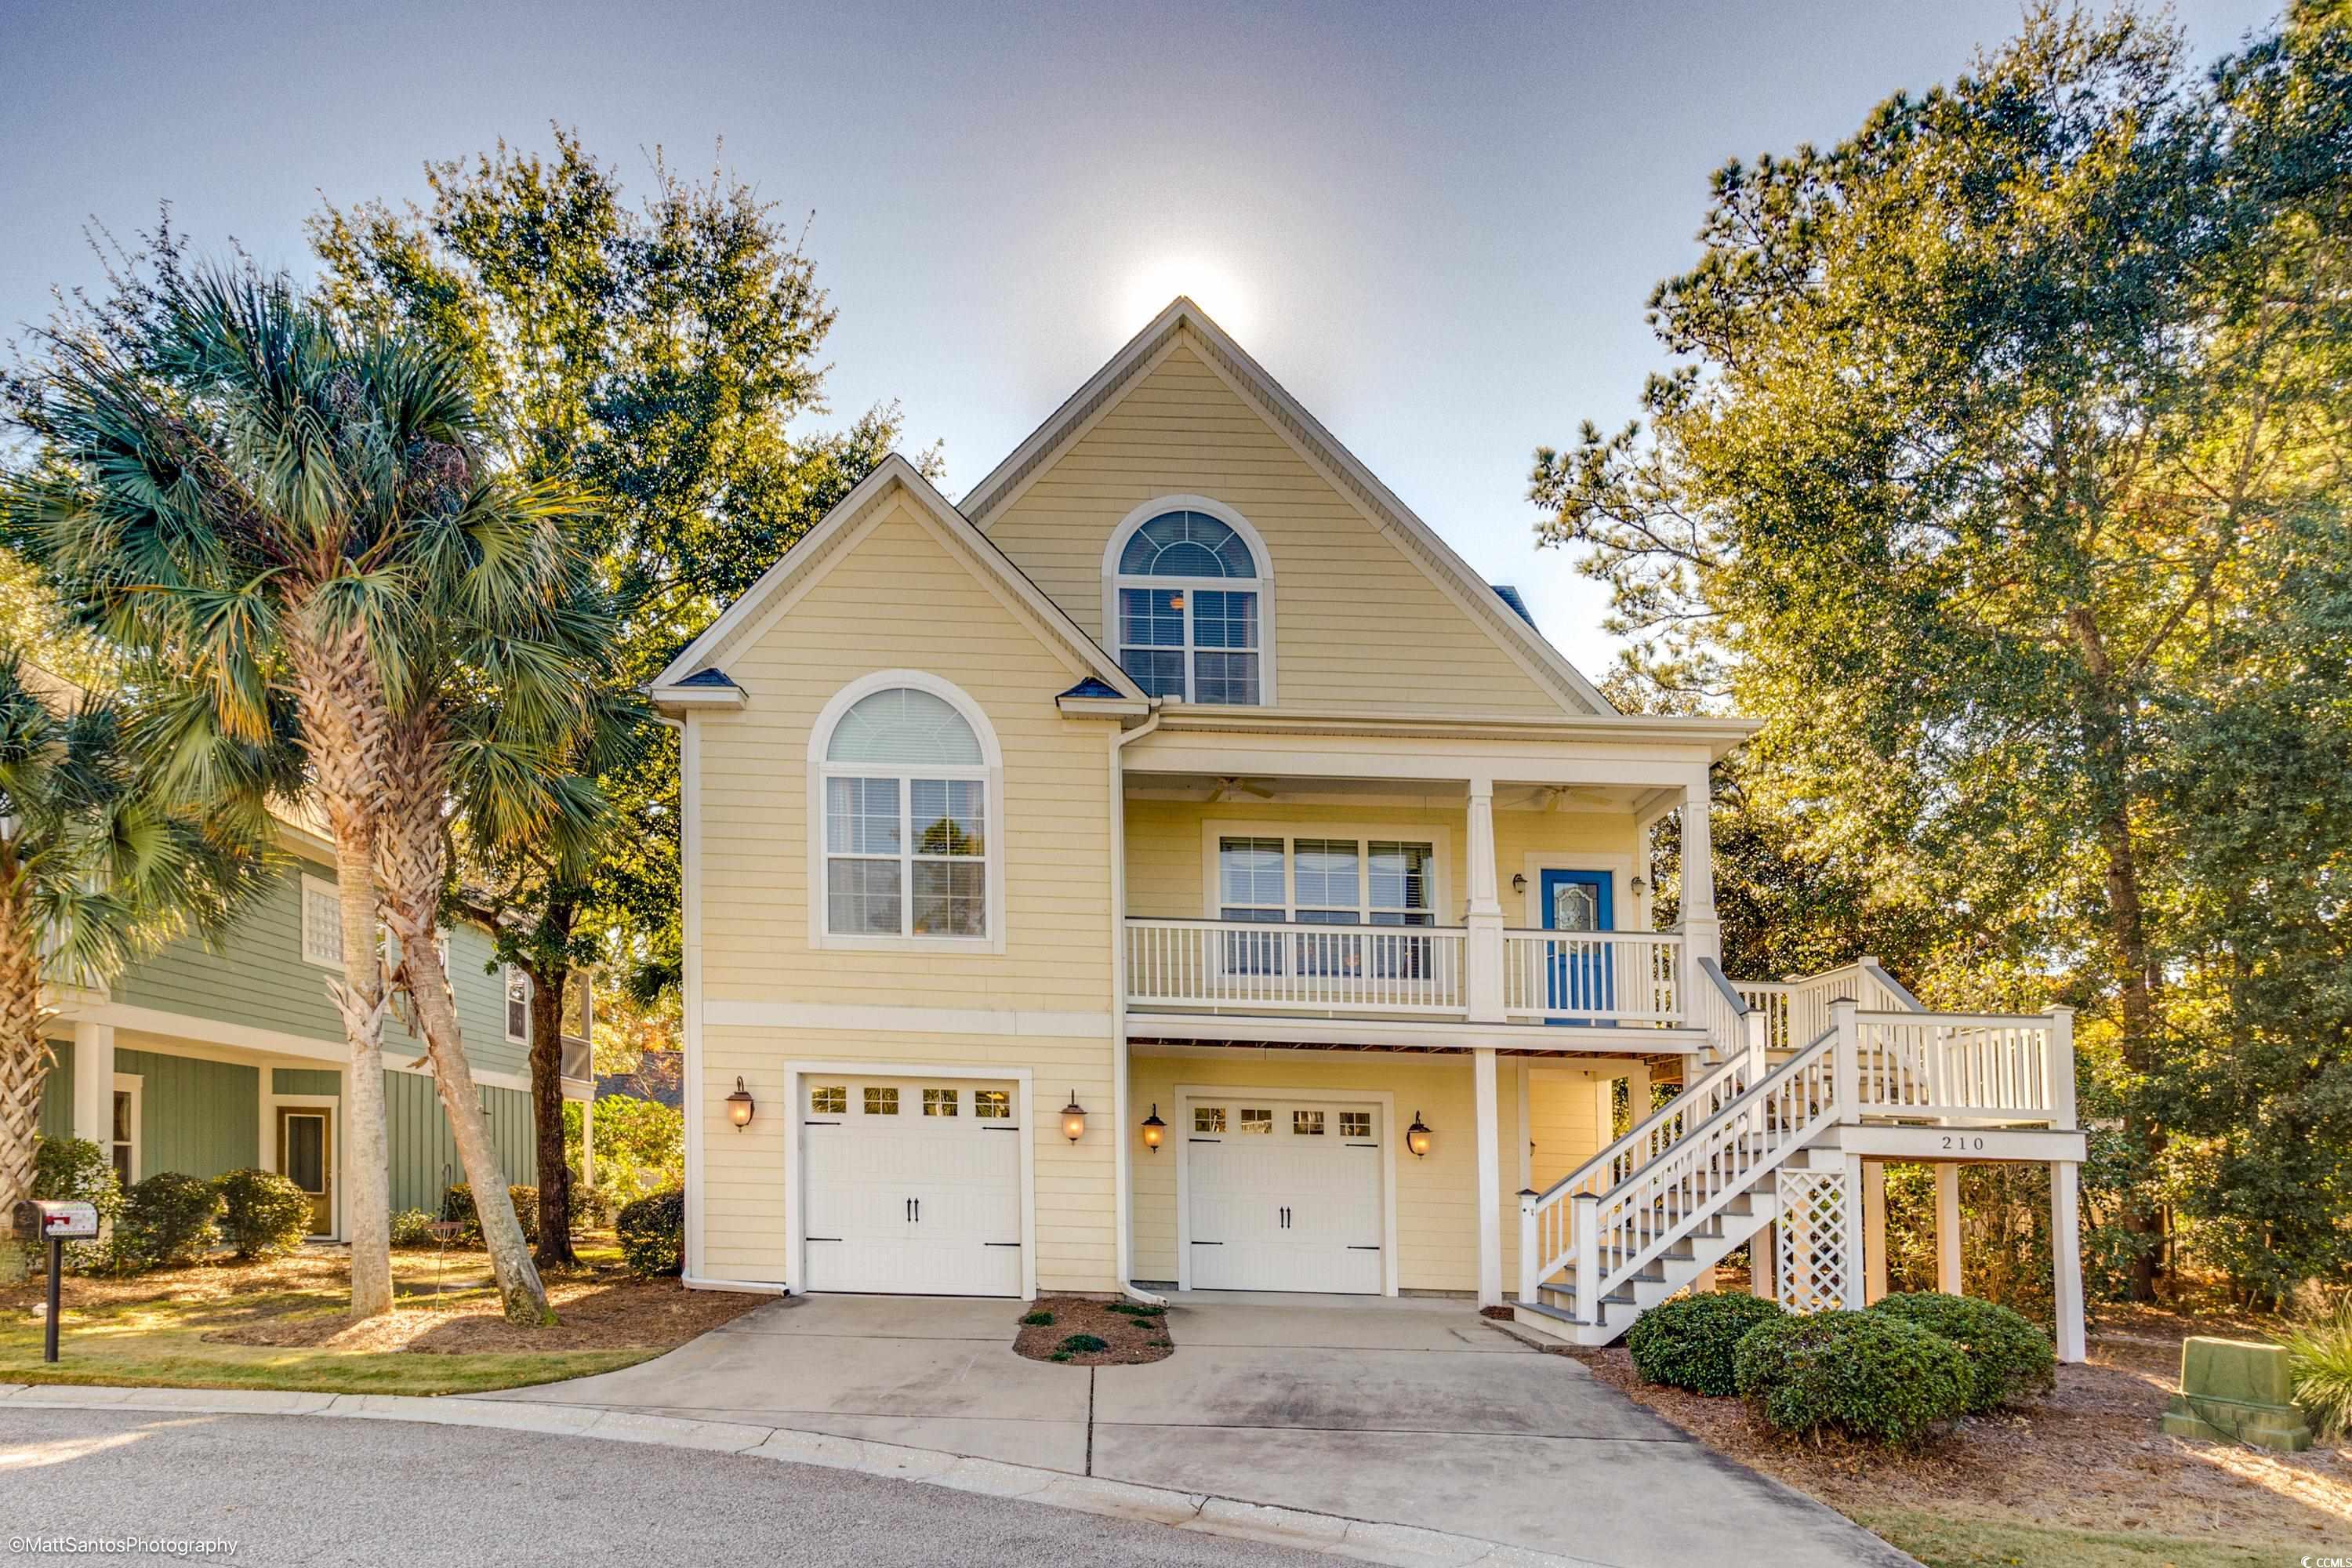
[
  {"x": 2009, "y": 1358},
  {"x": 458, "y": 1205},
  {"x": 1689, "y": 1341},
  {"x": 166, "y": 1222},
  {"x": 652, "y": 1233},
  {"x": 263, "y": 1214},
  {"x": 1867, "y": 1375},
  {"x": 413, "y": 1228}
]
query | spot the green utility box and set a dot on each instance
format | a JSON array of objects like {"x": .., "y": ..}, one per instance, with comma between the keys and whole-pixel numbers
[{"x": 2233, "y": 1391}]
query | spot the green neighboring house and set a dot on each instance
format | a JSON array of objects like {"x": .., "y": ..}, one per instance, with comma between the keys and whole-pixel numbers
[{"x": 206, "y": 1059}]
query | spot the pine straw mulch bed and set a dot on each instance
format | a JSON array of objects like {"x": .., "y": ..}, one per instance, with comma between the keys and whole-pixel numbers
[
  {"x": 294, "y": 1302},
  {"x": 1132, "y": 1339},
  {"x": 2089, "y": 1458}
]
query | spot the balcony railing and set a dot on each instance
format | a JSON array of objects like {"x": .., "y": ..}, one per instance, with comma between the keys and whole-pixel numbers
[
  {"x": 1619, "y": 977},
  {"x": 1245, "y": 965},
  {"x": 1600, "y": 977}
]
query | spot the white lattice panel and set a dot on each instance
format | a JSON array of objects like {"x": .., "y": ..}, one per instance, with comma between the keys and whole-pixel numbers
[{"x": 1814, "y": 1270}]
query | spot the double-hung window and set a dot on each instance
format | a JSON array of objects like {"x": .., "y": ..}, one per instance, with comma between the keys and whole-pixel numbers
[
  {"x": 1325, "y": 882},
  {"x": 905, "y": 802},
  {"x": 1190, "y": 610}
]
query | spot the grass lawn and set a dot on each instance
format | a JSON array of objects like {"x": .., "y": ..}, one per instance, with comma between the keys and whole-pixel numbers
[
  {"x": 1941, "y": 1542},
  {"x": 281, "y": 1324}
]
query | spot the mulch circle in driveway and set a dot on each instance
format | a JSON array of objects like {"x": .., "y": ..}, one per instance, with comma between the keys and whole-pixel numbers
[{"x": 1129, "y": 1337}]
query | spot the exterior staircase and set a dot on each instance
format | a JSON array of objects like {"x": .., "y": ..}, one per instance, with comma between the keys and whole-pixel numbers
[{"x": 1761, "y": 1138}]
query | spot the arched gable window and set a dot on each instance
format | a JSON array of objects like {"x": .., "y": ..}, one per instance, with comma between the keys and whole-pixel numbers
[
  {"x": 1189, "y": 602},
  {"x": 905, "y": 770}
]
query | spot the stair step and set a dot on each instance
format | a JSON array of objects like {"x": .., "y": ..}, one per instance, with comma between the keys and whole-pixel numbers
[{"x": 1560, "y": 1313}]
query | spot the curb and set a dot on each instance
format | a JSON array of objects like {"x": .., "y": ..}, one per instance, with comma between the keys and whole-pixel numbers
[{"x": 1401, "y": 1545}]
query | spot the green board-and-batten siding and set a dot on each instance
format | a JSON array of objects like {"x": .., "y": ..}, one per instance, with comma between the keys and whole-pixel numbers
[
  {"x": 305, "y": 1080},
  {"x": 198, "y": 1117},
  {"x": 425, "y": 1152},
  {"x": 56, "y": 1093}
]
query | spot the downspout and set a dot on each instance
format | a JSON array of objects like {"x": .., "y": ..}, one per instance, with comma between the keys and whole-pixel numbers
[{"x": 1123, "y": 1255}]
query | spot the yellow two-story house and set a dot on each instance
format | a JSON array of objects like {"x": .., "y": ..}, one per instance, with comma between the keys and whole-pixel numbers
[{"x": 1175, "y": 868}]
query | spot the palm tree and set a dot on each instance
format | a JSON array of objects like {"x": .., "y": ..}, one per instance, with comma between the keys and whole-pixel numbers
[
  {"x": 297, "y": 514},
  {"x": 99, "y": 864}
]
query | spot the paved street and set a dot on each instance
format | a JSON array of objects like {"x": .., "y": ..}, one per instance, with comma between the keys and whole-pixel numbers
[{"x": 292, "y": 1491}]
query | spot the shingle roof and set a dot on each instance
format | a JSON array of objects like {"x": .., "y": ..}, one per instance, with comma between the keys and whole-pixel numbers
[
  {"x": 1510, "y": 597},
  {"x": 711, "y": 677},
  {"x": 1094, "y": 687}
]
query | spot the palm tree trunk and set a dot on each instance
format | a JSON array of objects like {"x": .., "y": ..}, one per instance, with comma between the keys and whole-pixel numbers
[
  {"x": 344, "y": 724},
  {"x": 26, "y": 1058},
  {"x": 413, "y": 856}
]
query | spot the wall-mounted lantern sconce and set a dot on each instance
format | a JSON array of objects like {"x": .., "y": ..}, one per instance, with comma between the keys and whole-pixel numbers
[
  {"x": 1073, "y": 1118},
  {"x": 1416, "y": 1137},
  {"x": 1154, "y": 1130},
  {"x": 1519, "y": 882},
  {"x": 1640, "y": 885},
  {"x": 739, "y": 1106}
]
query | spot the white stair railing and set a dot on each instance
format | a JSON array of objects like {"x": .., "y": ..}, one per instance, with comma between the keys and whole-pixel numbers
[
  {"x": 1965, "y": 1067},
  {"x": 1618, "y": 1234},
  {"x": 1796, "y": 1011}
]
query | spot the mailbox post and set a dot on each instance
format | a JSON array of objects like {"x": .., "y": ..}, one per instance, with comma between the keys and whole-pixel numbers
[{"x": 38, "y": 1219}]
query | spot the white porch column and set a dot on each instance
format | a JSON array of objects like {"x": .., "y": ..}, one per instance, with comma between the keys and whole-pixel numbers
[
  {"x": 1702, "y": 929},
  {"x": 1759, "y": 1260},
  {"x": 93, "y": 1083},
  {"x": 2066, "y": 1258},
  {"x": 588, "y": 1141},
  {"x": 1853, "y": 1268},
  {"x": 1873, "y": 1230},
  {"x": 1947, "y": 1229},
  {"x": 1484, "y": 976},
  {"x": 1490, "y": 1180}
]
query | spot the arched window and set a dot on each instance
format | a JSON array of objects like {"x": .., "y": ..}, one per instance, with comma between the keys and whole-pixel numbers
[
  {"x": 905, "y": 779},
  {"x": 1189, "y": 606}
]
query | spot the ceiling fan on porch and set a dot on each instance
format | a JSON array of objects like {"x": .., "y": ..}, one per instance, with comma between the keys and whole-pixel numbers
[{"x": 1227, "y": 788}]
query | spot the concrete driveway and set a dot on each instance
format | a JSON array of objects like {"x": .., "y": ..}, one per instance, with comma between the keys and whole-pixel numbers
[{"x": 1410, "y": 1412}]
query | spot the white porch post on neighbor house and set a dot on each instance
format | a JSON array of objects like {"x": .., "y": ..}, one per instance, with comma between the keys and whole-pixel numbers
[
  {"x": 1484, "y": 959},
  {"x": 1947, "y": 1229},
  {"x": 588, "y": 1138},
  {"x": 93, "y": 1083},
  {"x": 2066, "y": 1258},
  {"x": 1490, "y": 1180}
]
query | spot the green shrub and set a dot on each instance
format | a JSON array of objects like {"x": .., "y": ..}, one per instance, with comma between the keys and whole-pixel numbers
[
  {"x": 457, "y": 1205},
  {"x": 652, "y": 1233},
  {"x": 1688, "y": 1341},
  {"x": 1082, "y": 1344},
  {"x": 262, "y": 1214},
  {"x": 66, "y": 1170},
  {"x": 2319, "y": 1358},
  {"x": 1038, "y": 1320},
  {"x": 1867, "y": 1375},
  {"x": 413, "y": 1228},
  {"x": 591, "y": 1207},
  {"x": 2009, "y": 1358},
  {"x": 167, "y": 1223},
  {"x": 1136, "y": 1309}
]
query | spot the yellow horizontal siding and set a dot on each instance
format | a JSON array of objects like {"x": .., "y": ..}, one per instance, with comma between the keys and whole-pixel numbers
[
  {"x": 1359, "y": 626},
  {"x": 898, "y": 598}
]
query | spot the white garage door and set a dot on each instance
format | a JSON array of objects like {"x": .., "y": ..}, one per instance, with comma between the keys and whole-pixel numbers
[
  {"x": 912, "y": 1185},
  {"x": 1284, "y": 1195}
]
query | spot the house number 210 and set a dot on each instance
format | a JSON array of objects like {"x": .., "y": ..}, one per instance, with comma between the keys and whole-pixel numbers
[{"x": 1962, "y": 1143}]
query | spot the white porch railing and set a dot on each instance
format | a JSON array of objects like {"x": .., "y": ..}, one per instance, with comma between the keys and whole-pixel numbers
[
  {"x": 1964, "y": 1067},
  {"x": 1797, "y": 1011},
  {"x": 1628, "y": 977},
  {"x": 1295, "y": 968}
]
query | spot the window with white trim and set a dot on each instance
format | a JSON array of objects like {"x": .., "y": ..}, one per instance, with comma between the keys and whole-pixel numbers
[
  {"x": 518, "y": 987},
  {"x": 123, "y": 1127},
  {"x": 1191, "y": 601},
  {"x": 907, "y": 844},
  {"x": 322, "y": 924},
  {"x": 1325, "y": 882}
]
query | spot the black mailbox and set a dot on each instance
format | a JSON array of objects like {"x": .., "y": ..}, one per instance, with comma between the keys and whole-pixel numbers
[{"x": 41, "y": 1219}]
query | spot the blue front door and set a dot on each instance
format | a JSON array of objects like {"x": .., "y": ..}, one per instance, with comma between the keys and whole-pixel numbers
[{"x": 1580, "y": 979}]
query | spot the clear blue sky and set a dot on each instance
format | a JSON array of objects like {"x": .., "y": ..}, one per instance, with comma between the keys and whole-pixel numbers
[{"x": 1435, "y": 224}]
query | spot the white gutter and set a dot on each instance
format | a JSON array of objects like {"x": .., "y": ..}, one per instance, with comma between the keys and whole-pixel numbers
[{"x": 1123, "y": 1252}]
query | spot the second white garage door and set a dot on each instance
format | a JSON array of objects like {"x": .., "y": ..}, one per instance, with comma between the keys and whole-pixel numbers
[
  {"x": 1284, "y": 1196},
  {"x": 912, "y": 1186}
]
